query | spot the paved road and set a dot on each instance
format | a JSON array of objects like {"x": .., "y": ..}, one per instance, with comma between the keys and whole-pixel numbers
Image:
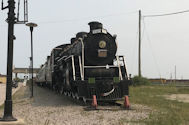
[{"x": 2, "y": 92}]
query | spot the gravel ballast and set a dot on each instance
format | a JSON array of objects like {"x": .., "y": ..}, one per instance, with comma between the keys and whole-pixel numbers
[{"x": 50, "y": 108}]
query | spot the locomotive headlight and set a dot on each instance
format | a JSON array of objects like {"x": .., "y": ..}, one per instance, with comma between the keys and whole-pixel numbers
[{"x": 102, "y": 44}]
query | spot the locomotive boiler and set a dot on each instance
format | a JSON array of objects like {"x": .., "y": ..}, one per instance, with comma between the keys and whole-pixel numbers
[{"x": 87, "y": 68}]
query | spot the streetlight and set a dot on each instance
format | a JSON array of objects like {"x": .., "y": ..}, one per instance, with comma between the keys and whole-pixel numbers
[
  {"x": 8, "y": 101},
  {"x": 31, "y": 25}
]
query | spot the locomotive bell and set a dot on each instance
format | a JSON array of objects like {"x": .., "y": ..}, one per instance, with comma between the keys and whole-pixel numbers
[{"x": 95, "y": 25}]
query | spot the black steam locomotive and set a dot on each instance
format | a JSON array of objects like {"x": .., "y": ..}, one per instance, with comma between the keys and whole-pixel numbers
[{"x": 87, "y": 68}]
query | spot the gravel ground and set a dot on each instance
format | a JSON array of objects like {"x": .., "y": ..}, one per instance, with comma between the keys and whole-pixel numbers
[
  {"x": 3, "y": 89},
  {"x": 49, "y": 108}
]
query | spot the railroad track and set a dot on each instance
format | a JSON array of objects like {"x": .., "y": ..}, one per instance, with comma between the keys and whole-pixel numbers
[
  {"x": 111, "y": 105},
  {"x": 87, "y": 103}
]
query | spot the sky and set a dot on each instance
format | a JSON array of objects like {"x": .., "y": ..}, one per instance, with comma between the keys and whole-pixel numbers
[{"x": 164, "y": 39}]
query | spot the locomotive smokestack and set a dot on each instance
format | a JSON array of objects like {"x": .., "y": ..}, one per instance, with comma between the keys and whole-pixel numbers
[{"x": 95, "y": 25}]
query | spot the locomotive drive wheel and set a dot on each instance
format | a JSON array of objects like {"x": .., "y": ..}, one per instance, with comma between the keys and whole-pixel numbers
[
  {"x": 61, "y": 90},
  {"x": 69, "y": 94},
  {"x": 84, "y": 100},
  {"x": 53, "y": 82},
  {"x": 73, "y": 95},
  {"x": 76, "y": 96},
  {"x": 65, "y": 93},
  {"x": 54, "y": 87},
  {"x": 66, "y": 78}
]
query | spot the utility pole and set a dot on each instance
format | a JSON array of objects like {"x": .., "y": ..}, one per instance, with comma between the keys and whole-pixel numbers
[
  {"x": 171, "y": 77},
  {"x": 139, "y": 46},
  {"x": 175, "y": 73}
]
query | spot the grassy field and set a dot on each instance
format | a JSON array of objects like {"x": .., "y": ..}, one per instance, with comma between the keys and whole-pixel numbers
[
  {"x": 1, "y": 107},
  {"x": 165, "y": 112}
]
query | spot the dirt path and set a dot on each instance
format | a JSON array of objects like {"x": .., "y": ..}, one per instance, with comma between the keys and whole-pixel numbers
[
  {"x": 178, "y": 97},
  {"x": 3, "y": 90},
  {"x": 49, "y": 108}
]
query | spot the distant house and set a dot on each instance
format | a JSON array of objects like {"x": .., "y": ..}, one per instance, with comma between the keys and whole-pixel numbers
[
  {"x": 162, "y": 80},
  {"x": 3, "y": 79}
]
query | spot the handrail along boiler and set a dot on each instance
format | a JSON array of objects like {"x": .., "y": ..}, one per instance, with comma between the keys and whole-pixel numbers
[{"x": 87, "y": 66}]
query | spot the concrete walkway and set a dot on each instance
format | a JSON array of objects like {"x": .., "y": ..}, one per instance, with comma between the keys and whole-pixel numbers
[{"x": 3, "y": 90}]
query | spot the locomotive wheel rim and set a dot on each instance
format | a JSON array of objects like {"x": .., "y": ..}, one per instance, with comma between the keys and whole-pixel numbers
[
  {"x": 67, "y": 78},
  {"x": 54, "y": 88},
  {"x": 76, "y": 96},
  {"x": 65, "y": 93},
  {"x": 61, "y": 90},
  {"x": 73, "y": 95},
  {"x": 84, "y": 99},
  {"x": 69, "y": 94}
]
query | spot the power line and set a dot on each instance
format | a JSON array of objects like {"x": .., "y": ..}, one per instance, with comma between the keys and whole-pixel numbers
[
  {"x": 167, "y": 14},
  {"x": 133, "y": 51},
  {"x": 153, "y": 53},
  {"x": 85, "y": 18}
]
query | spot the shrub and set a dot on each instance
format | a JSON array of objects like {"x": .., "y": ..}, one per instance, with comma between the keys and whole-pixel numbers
[
  {"x": 18, "y": 80},
  {"x": 140, "y": 81}
]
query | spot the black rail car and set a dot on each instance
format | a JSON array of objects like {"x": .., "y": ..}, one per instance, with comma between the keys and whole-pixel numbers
[{"x": 87, "y": 66}]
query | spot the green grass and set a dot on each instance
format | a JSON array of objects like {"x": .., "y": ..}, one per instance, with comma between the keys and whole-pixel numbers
[
  {"x": 1, "y": 107},
  {"x": 166, "y": 112}
]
